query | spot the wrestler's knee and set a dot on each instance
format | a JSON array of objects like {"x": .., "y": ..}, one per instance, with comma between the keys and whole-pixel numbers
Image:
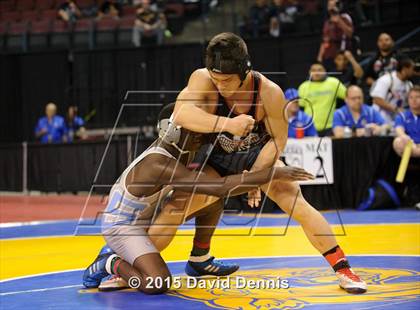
[
  {"x": 155, "y": 275},
  {"x": 283, "y": 190},
  {"x": 290, "y": 199},
  {"x": 156, "y": 283}
]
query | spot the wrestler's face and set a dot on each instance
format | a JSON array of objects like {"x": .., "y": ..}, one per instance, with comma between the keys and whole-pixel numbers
[
  {"x": 190, "y": 141},
  {"x": 226, "y": 84}
]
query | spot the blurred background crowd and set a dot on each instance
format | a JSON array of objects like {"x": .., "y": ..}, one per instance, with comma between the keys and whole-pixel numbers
[{"x": 347, "y": 68}]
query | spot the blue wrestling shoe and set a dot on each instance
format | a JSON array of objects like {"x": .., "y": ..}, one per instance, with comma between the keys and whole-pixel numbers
[
  {"x": 97, "y": 270},
  {"x": 210, "y": 267}
]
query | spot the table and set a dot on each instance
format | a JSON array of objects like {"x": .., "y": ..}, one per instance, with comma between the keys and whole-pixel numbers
[{"x": 82, "y": 166}]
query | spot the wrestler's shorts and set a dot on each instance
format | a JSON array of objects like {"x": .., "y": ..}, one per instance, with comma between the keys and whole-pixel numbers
[
  {"x": 129, "y": 242},
  {"x": 227, "y": 163},
  {"x": 124, "y": 233}
]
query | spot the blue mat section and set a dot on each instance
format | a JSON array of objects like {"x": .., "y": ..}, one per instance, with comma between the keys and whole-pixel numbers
[
  {"x": 49, "y": 291},
  {"x": 62, "y": 228}
]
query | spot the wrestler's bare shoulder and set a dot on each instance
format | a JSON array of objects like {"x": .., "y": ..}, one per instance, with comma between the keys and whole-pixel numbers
[
  {"x": 268, "y": 85},
  {"x": 270, "y": 90},
  {"x": 200, "y": 78}
]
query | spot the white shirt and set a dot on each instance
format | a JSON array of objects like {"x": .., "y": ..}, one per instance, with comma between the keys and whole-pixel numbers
[{"x": 390, "y": 88}]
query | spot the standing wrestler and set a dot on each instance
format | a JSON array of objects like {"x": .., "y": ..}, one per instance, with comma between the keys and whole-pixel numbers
[{"x": 228, "y": 87}]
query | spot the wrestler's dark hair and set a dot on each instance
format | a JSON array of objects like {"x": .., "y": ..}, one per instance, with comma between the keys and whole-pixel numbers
[
  {"x": 166, "y": 111},
  {"x": 228, "y": 53}
]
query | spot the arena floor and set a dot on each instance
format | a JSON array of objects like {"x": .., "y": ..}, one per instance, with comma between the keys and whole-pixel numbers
[{"x": 42, "y": 260}]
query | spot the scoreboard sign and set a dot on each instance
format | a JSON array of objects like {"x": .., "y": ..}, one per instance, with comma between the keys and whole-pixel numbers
[{"x": 314, "y": 155}]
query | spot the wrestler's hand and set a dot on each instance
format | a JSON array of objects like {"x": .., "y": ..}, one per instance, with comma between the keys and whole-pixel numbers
[
  {"x": 240, "y": 125},
  {"x": 254, "y": 198},
  {"x": 291, "y": 174}
]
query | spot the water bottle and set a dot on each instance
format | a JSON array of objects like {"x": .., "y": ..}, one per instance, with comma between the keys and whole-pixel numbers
[{"x": 347, "y": 132}]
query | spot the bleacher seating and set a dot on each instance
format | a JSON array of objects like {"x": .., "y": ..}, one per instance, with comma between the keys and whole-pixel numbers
[
  {"x": 43, "y": 5},
  {"x": 39, "y": 17},
  {"x": 40, "y": 26},
  {"x": 24, "y": 5},
  {"x": 27, "y": 17}
]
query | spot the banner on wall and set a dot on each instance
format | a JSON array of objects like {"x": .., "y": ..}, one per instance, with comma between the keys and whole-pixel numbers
[{"x": 314, "y": 155}]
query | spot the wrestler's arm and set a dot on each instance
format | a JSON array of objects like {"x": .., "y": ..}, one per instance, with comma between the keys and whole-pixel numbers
[
  {"x": 196, "y": 104},
  {"x": 169, "y": 172},
  {"x": 276, "y": 125},
  {"x": 192, "y": 109}
]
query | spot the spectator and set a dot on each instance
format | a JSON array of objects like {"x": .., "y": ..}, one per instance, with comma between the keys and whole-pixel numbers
[
  {"x": 337, "y": 33},
  {"x": 283, "y": 16},
  {"x": 69, "y": 12},
  {"x": 407, "y": 127},
  {"x": 348, "y": 69},
  {"x": 110, "y": 8},
  {"x": 75, "y": 125},
  {"x": 154, "y": 5},
  {"x": 318, "y": 96},
  {"x": 389, "y": 93},
  {"x": 358, "y": 117},
  {"x": 258, "y": 21},
  {"x": 300, "y": 123},
  {"x": 51, "y": 128},
  {"x": 149, "y": 22},
  {"x": 407, "y": 124},
  {"x": 384, "y": 61}
]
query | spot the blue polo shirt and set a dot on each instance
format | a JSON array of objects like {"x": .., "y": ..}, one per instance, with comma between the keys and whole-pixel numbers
[
  {"x": 56, "y": 129},
  {"x": 411, "y": 124},
  {"x": 73, "y": 127},
  {"x": 301, "y": 120},
  {"x": 368, "y": 115}
]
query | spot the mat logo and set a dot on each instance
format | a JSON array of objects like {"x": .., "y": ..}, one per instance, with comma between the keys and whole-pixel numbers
[{"x": 309, "y": 286}]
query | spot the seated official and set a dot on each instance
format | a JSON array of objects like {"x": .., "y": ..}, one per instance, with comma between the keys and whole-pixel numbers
[
  {"x": 75, "y": 125},
  {"x": 51, "y": 128},
  {"x": 407, "y": 124},
  {"x": 360, "y": 118},
  {"x": 300, "y": 124}
]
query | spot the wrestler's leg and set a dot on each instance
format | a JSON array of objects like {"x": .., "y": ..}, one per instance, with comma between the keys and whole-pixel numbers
[
  {"x": 207, "y": 212},
  {"x": 288, "y": 196},
  {"x": 151, "y": 270},
  {"x": 181, "y": 207},
  {"x": 206, "y": 221},
  {"x": 136, "y": 256}
]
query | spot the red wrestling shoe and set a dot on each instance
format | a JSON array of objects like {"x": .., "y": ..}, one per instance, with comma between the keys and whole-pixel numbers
[{"x": 351, "y": 282}]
